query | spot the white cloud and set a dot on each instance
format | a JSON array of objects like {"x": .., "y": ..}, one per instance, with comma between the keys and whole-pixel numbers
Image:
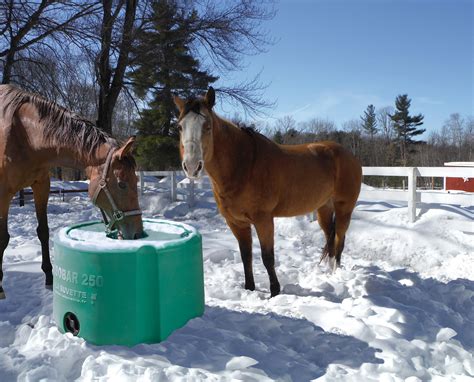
[{"x": 335, "y": 105}]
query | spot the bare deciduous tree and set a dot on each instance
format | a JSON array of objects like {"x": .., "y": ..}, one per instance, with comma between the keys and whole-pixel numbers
[
  {"x": 318, "y": 127},
  {"x": 29, "y": 29},
  {"x": 222, "y": 34},
  {"x": 353, "y": 128},
  {"x": 116, "y": 38},
  {"x": 385, "y": 123}
]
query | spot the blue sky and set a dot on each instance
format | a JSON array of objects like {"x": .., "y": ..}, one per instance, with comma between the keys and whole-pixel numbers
[{"x": 334, "y": 57}]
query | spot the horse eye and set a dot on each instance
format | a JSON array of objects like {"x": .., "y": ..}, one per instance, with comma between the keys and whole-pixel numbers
[{"x": 122, "y": 185}]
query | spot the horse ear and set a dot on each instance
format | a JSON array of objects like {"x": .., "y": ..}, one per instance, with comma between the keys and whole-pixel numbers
[
  {"x": 179, "y": 102},
  {"x": 126, "y": 148},
  {"x": 210, "y": 97}
]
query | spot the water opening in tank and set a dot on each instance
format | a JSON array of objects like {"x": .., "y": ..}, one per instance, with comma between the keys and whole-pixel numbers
[
  {"x": 71, "y": 323},
  {"x": 153, "y": 231}
]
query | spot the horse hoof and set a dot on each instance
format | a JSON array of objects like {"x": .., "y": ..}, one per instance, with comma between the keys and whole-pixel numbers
[
  {"x": 2, "y": 295},
  {"x": 332, "y": 265},
  {"x": 49, "y": 287},
  {"x": 274, "y": 290}
]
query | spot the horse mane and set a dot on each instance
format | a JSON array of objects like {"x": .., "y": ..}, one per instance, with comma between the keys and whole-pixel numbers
[
  {"x": 62, "y": 127},
  {"x": 250, "y": 130}
]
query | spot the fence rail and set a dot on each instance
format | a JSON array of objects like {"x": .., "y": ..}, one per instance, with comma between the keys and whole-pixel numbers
[
  {"x": 187, "y": 184},
  {"x": 412, "y": 195},
  {"x": 22, "y": 193}
]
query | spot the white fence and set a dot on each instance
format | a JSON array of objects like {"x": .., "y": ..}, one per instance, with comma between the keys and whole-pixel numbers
[
  {"x": 412, "y": 195},
  {"x": 188, "y": 185}
]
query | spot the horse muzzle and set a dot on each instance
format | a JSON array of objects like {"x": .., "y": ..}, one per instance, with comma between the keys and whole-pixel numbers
[
  {"x": 193, "y": 168},
  {"x": 131, "y": 228}
]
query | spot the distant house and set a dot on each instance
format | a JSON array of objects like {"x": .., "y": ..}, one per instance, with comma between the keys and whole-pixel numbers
[{"x": 461, "y": 184}]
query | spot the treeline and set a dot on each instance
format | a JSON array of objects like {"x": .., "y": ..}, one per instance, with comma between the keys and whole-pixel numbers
[
  {"x": 387, "y": 136},
  {"x": 117, "y": 62}
]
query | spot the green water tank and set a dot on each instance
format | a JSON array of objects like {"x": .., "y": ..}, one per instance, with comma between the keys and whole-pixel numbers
[{"x": 126, "y": 292}]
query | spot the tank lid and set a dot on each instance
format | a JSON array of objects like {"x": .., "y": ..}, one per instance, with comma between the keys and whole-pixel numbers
[{"x": 159, "y": 234}]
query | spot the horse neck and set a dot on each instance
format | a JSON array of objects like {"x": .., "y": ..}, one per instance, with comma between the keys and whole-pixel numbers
[
  {"x": 56, "y": 149},
  {"x": 69, "y": 155},
  {"x": 76, "y": 157},
  {"x": 232, "y": 157},
  {"x": 98, "y": 156}
]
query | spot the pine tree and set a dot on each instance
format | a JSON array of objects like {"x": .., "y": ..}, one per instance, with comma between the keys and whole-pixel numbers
[
  {"x": 406, "y": 126},
  {"x": 278, "y": 137},
  {"x": 369, "y": 126},
  {"x": 165, "y": 65},
  {"x": 369, "y": 121}
]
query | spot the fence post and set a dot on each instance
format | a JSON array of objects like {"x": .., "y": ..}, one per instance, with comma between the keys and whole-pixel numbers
[
  {"x": 191, "y": 193},
  {"x": 412, "y": 193},
  {"x": 174, "y": 195},
  {"x": 142, "y": 182}
]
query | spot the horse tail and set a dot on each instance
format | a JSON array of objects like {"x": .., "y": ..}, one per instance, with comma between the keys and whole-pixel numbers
[{"x": 328, "y": 250}]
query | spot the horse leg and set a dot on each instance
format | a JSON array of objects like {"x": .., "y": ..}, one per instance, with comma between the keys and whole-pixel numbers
[
  {"x": 243, "y": 234},
  {"x": 326, "y": 222},
  {"x": 343, "y": 219},
  {"x": 41, "y": 193},
  {"x": 265, "y": 232},
  {"x": 4, "y": 236}
]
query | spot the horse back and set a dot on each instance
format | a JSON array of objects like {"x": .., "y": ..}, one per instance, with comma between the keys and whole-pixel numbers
[{"x": 297, "y": 179}]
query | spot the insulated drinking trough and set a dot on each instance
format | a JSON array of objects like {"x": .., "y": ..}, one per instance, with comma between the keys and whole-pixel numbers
[{"x": 126, "y": 292}]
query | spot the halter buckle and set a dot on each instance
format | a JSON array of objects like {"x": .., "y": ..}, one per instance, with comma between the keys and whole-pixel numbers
[
  {"x": 118, "y": 215},
  {"x": 102, "y": 183}
]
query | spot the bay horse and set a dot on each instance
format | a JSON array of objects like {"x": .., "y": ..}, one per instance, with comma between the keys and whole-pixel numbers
[
  {"x": 36, "y": 134},
  {"x": 255, "y": 180}
]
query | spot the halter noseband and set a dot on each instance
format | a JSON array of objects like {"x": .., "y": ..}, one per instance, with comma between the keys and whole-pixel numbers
[{"x": 117, "y": 215}]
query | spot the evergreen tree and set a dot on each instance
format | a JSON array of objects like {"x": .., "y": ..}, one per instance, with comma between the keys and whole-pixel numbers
[
  {"x": 369, "y": 121},
  {"x": 278, "y": 137},
  {"x": 406, "y": 126},
  {"x": 369, "y": 125},
  {"x": 164, "y": 66}
]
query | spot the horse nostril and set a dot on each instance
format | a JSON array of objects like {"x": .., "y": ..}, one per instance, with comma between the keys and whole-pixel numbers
[
  {"x": 184, "y": 167},
  {"x": 199, "y": 168}
]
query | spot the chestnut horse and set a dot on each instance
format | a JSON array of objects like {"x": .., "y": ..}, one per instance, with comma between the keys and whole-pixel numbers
[
  {"x": 255, "y": 180},
  {"x": 36, "y": 134}
]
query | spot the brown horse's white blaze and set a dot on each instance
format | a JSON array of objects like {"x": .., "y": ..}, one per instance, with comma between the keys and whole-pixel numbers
[
  {"x": 191, "y": 127},
  {"x": 255, "y": 180},
  {"x": 36, "y": 134}
]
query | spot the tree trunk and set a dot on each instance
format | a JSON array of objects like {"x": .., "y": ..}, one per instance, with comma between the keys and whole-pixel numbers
[
  {"x": 105, "y": 113},
  {"x": 110, "y": 86},
  {"x": 7, "y": 69}
]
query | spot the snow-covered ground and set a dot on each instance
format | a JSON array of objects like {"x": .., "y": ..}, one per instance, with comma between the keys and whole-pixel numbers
[{"x": 400, "y": 309}]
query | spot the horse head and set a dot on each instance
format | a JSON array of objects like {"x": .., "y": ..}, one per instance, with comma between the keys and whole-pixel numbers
[
  {"x": 113, "y": 188},
  {"x": 196, "y": 132}
]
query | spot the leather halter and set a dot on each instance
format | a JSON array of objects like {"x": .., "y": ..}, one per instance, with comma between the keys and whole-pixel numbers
[{"x": 117, "y": 215}]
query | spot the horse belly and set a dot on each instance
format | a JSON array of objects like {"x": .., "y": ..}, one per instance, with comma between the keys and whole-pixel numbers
[{"x": 300, "y": 198}]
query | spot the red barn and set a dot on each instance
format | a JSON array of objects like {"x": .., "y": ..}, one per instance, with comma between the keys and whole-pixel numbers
[{"x": 462, "y": 184}]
